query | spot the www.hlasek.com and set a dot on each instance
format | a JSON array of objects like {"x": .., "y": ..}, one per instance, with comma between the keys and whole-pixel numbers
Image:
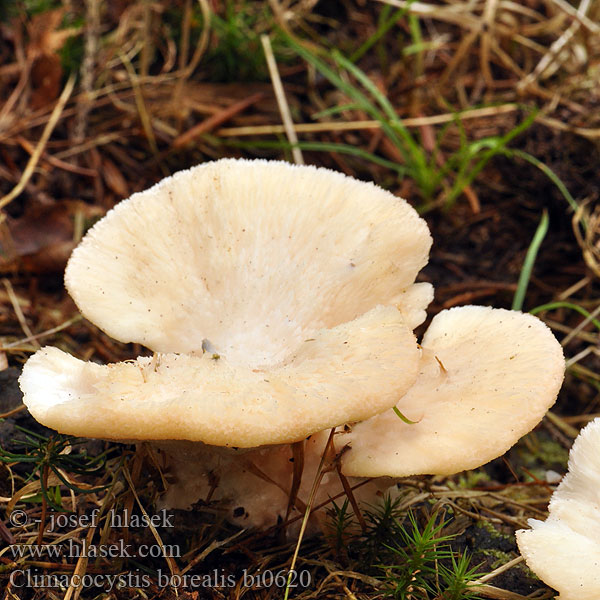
[
  {"x": 217, "y": 578},
  {"x": 82, "y": 549}
]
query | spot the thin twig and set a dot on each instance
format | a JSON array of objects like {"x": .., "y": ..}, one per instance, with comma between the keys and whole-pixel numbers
[
  {"x": 476, "y": 113},
  {"x": 169, "y": 559},
  {"x": 580, "y": 327},
  {"x": 12, "y": 412},
  {"x": 17, "y": 308},
  {"x": 309, "y": 507},
  {"x": 554, "y": 51},
  {"x": 284, "y": 109},
  {"x": 37, "y": 336},
  {"x": 487, "y": 33},
  {"x": 204, "y": 37},
  {"x": 88, "y": 66},
  {"x": 215, "y": 120},
  {"x": 140, "y": 103},
  {"x": 35, "y": 157},
  {"x": 577, "y": 15}
]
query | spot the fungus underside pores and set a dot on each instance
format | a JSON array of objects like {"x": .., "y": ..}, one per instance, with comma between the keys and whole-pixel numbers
[{"x": 303, "y": 280}]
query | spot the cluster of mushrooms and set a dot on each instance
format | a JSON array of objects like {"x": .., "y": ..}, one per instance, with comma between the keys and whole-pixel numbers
[{"x": 280, "y": 302}]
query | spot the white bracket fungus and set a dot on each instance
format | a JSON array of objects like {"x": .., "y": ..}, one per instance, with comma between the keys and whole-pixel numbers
[
  {"x": 280, "y": 302},
  {"x": 564, "y": 550},
  {"x": 487, "y": 376},
  {"x": 296, "y": 275}
]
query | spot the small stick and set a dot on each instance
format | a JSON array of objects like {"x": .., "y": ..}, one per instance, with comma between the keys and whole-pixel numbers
[
  {"x": 553, "y": 53},
  {"x": 140, "y": 104},
  {"x": 12, "y": 412},
  {"x": 81, "y": 567},
  {"x": 38, "y": 336},
  {"x": 216, "y": 120},
  {"x": 169, "y": 559},
  {"x": 509, "y": 565},
  {"x": 56, "y": 162},
  {"x": 487, "y": 31},
  {"x": 35, "y": 157},
  {"x": 309, "y": 508},
  {"x": 580, "y": 327},
  {"x": 298, "y": 458},
  {"x": 284, "y": 109},
  {"x": 488, "y": 111},
  {"x": 87, "y": 70},
  {"x": 577, "y": 15},
  {"x": 348, "y": 489},
  {"x": 20, "y": 316},
  {"x": 44, "y": 486},
  {"x": 204, "y": 38}
]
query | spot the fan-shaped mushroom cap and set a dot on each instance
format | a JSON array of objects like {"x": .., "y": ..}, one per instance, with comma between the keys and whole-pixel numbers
[
  {"x": 564, "y": 550},
  {"x": 251, "y": 255},
  {"x": 487, "y": 377},
  {"x": 351, "y": 371},
  {"x": 298, "y": 280}
]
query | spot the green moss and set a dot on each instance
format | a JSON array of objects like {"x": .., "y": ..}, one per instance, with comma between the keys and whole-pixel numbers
[
  {"x": 494, "y": 533},
  {"x": 499, "y": 557},
  {"x": 235, "y": 53},
  {"x": 71, "y": 54},
  {"x": 543, "y": 454},
  {"x": 469, "y": 480},
  {"x": 14, "y": 8}
]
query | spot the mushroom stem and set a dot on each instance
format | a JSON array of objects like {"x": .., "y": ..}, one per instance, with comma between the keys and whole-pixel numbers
[{"x": 260, "y": 487}]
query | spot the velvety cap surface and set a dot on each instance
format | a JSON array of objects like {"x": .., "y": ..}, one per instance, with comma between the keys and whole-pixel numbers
[
  {"x": 348, "y": 372},
  {"x": 250, "y": 255},
  {"x": 487, "y": 377}
]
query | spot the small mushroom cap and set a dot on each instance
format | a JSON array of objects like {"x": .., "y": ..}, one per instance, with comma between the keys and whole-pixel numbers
[
  {"x": 250, "y": 255},
  {"x": 413, "y": 301},
  {"x": 487, "y": 377},
  {"x": 564, "y": 550},
  {"x": 349, "y": 372}
]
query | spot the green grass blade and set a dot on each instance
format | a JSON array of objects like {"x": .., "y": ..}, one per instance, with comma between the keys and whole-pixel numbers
[
  {"x": 418, "y": 154},
  {"x": 525, "y": 276},
  {"x": 417, "y": 46},
  {"x": 364, "y": 80},
  {"x": 318, "y": 147},
  {"x": 562, "y": 304},
  {"x": 334, "y": 110},
  {"x": 383, "y": 28},
  {"x": 488, "y": 148},
  {"x": 379, "y": 109},
  {"x": 549, "y": 173},
  {"x": 403, "y": 418},
  {"x": 336, "y": 80}
]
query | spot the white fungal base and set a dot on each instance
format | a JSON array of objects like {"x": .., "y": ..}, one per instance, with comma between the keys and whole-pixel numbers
[{"x": 254, "y": 485}]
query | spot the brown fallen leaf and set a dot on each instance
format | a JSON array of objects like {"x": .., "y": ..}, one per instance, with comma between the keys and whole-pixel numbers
[
  {"x": 46, "y": 75},
  {"x": 114, "y": 178},
  {"x": 45, "y": 40},
  {"x": 42, "y": 240}
]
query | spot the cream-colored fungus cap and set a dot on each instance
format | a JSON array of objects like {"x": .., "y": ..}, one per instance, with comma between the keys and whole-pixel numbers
[
  {"x": 299, "y": 282},
  {"x": 487, "y": 377},
  {"x": 564, "y": 550},
  {"x": 250, "y": 255},
  {"x": 349, "y": 372}
]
